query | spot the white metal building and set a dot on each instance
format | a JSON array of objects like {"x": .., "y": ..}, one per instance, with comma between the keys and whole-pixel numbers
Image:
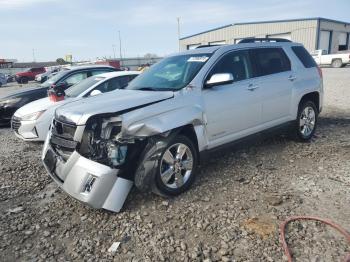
[{"x": 314, "y": 33}]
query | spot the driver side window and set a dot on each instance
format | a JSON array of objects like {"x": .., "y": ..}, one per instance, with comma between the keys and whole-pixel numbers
[
  {"x": 236, "y": 63},
  {"x": 75, "y": 78}
]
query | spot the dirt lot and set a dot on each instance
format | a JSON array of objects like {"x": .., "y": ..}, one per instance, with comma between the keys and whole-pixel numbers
[{"x": 231, "y": 213}]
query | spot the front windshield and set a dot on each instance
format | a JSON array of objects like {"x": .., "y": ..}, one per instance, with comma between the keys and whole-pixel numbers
[
  {"x": 172, "y": 73},
  {"x": 53, "y": 79},
  {"x": 80, "y": 87}
]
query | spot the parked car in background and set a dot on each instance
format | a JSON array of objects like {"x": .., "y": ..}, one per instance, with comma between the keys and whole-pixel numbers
[
  {"x": 28, "y": 75},
  {"x": 32, "y": 121},
  {"x": 153, "y": 133},
  {"x": 10, "y": 78},
  {"x": 335, "y": 60},
  {"x": 64, "y": 79},
  {"x": 3, "y": 79},
  {"x": 44, "y": 76}
]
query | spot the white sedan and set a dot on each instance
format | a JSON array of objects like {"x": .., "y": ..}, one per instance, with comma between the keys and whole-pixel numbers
[{"x": 32, "y": 121}]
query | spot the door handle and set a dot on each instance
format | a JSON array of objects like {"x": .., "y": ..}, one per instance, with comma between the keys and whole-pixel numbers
[
  {"x": 292, "y": 78},
  {"x": 252, "y": 87}
]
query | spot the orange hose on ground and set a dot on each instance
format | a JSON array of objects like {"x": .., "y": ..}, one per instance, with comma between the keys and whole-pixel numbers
[{"x": 328, "y": 222}]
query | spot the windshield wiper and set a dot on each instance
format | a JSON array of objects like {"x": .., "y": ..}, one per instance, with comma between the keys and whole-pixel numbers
[{"x": 147, "y": 89}]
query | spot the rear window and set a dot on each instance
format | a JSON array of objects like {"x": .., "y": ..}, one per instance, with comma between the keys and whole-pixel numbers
[
  {"x": 271, "y": 61},
  {"x": 304, "y": 56}
]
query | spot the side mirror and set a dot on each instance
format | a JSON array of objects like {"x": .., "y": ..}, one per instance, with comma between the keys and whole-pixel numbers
[
  {"x": 95, "y": 93},
  {"x": 219, "y": 79},
  {"x": 62, "y": 85}
]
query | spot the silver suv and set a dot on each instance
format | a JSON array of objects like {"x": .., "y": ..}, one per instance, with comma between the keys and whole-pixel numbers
[{"x": 155, "y": 133}]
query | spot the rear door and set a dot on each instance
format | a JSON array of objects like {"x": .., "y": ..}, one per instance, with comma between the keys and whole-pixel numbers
[{"x": 275, "y": 79}]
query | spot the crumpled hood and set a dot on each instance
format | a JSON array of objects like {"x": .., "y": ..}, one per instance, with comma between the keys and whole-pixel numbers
[{"x": 80, "y": 111}]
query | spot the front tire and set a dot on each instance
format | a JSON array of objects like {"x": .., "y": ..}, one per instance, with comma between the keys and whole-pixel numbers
[
  {"x": 177, "y": 167},
  {"x": 306, "y": 121},
  {"x": 24, "y": 80}
]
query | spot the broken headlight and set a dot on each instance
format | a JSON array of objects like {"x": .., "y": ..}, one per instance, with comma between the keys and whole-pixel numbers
[
  {"x": 100, "y": 142},
  {"x": 116, "y": 153}
]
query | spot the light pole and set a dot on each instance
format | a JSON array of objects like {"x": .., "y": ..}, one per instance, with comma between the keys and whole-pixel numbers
[
  {"x": 113, "y": 46},
  {"x": 120, "y": 45},
  {"x": 178, "y": 31},
  {"x": 33, "y": 55}
]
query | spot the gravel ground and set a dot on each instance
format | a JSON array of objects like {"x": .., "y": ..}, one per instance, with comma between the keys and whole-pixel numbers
[{"x": 231, "y": 213}]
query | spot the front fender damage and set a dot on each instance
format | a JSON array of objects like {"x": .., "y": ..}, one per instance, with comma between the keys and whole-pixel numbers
[
  {"x": 147, "y": 166},
  {"x": 134, "y": 142},
  {"x": 158, "y": 130}
]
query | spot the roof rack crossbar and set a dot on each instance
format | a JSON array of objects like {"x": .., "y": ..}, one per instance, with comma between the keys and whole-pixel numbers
[{"x": 261, "y": 40}]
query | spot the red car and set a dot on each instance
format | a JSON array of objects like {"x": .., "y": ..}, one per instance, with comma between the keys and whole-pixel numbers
[{"x": 29, "y": 74}]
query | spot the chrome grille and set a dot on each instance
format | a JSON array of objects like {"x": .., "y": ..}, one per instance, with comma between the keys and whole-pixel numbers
[
  {"x": 63, "y": 130},
  {"x": 62, "y": 135},
  {"x": 15, "y": 123}
]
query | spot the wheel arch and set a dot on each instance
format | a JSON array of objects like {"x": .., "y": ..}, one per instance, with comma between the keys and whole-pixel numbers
[{"x": 312, "y": 96}]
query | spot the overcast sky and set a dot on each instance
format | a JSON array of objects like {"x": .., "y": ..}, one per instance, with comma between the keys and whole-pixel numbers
[{"x": 88, "y": 28}]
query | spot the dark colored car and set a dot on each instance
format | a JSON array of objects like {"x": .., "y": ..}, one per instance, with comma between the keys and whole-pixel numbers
[
  {"x": 64, "y": 79},
  {"x": 28, "y": 75},
  {"x": 10, "y": 78}
]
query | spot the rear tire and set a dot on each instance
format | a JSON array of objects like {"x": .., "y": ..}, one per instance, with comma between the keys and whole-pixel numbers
[
  {"x": 306, "y": 122},
  {"x": 337, "y": 63},
  {"x": 177, "y": 167}
]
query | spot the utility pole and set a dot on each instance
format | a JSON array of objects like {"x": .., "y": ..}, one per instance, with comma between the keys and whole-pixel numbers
[
  {"x": 120, "y": 45},
  {"x": 178, "y": 31},
  {"x": 113, "y": 46},
  {"x": 33, "y": 55}
]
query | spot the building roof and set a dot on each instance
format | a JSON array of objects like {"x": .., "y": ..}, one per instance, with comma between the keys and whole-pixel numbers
[{"x": 265, "y": 22}]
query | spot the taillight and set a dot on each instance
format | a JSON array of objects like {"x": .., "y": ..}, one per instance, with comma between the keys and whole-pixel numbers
[{"x": 319, "y": 71}]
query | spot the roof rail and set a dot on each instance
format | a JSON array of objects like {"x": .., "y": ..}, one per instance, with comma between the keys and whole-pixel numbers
[
  {"x": 203, "y": 46},
  {"x": 261, "y": 40}
]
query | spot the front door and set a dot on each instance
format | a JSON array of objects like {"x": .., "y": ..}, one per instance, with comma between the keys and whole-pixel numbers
[{"x": 232, "y": 109}]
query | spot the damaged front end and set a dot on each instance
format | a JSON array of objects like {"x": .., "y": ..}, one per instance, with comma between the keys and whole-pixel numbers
[
  {"x": 103, "y": 142},
  {"x": 136, "y": 158},
  {"x": 98, "y": 170}
]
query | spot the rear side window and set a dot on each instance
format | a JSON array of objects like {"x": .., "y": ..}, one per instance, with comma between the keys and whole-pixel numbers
[
  {"x": 115, "y": 83},
  {"x": 304, "y": 56},
  {"x": 270, "y": 61},
  {"x": 101, "y": 71}
]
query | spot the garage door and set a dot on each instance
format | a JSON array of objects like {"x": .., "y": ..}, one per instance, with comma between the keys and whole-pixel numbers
[
  {"x": 287, "y": 36},
  {"x": 324, "y": 42},
  {"x": 342, "y": 41}
]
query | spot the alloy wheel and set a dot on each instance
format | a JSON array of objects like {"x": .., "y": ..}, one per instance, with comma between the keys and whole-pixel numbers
[
  {"x": 176, "y": 166},
  {"x": 307, "y": 121}
]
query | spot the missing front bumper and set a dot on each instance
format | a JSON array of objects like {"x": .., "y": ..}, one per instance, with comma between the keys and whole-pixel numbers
[{"x": 75, "y": 176}]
